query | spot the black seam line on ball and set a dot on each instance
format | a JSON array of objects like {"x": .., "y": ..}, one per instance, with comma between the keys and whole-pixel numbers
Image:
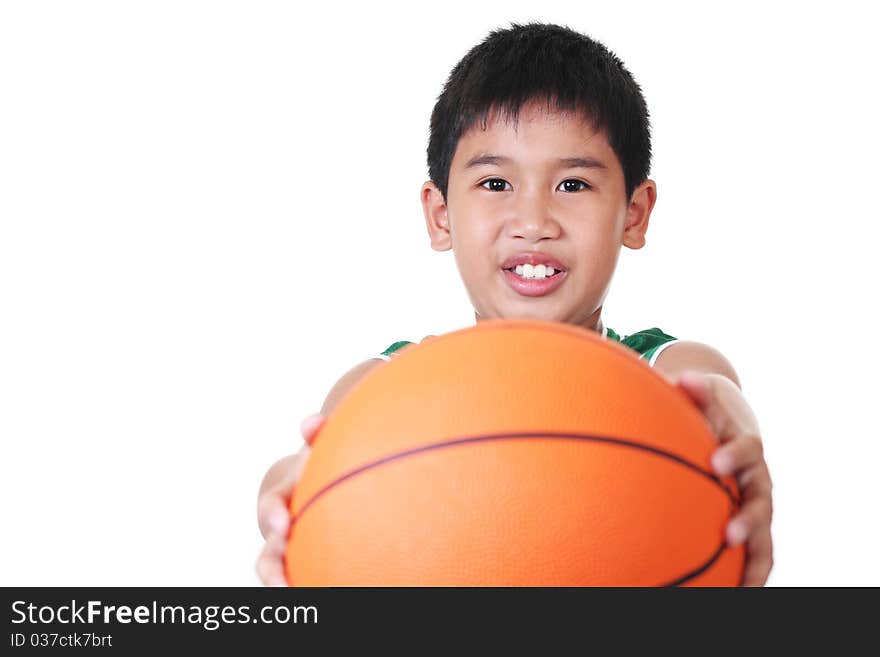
[
  {"x": 518, "y": 436},
  {"x": 697, "y": 571}
]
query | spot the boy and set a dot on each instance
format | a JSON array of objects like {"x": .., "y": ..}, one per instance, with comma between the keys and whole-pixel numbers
[{"x": 539, "y": 155}]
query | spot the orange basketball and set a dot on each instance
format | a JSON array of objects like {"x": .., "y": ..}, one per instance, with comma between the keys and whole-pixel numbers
[{"x": 513, "y": 453}]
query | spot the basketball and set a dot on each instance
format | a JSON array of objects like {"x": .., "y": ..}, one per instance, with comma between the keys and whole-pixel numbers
[{"x": 513, "y": 453}]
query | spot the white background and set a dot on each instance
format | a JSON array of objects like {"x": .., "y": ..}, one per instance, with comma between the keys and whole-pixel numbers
[{"x": 209, "y": 212}]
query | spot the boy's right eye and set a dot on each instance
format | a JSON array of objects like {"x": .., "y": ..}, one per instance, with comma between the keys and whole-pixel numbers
[{"x": 494, "y": 185}]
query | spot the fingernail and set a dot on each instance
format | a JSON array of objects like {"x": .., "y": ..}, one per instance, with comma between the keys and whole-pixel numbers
[
  {"x": 722, "y": 462},
  {"x": 309, "y": 423},
  {"x": 736, "y": 533},
  {"x": 278, "y": 521},
  {"x": 306, "y": 423}
]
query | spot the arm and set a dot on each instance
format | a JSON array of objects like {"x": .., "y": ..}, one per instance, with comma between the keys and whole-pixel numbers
[
  {"x": 285, "y": 472},
  {"x": 295, "y": 462},
  {"x": 711, "y": 382},
  {"x": 273, "y": 502}
]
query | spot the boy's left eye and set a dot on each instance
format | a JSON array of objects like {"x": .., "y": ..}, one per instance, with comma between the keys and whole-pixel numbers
[{"x": 574, "y": 185}]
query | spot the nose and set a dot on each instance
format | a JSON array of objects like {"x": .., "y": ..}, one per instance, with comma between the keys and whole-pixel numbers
[{"x": 533, "y": 219}]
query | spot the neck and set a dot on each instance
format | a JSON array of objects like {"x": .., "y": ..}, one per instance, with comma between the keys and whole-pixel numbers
[{"x": 594, "y": 323}]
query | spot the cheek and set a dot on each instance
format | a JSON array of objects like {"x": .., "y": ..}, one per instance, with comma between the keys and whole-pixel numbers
[
  {"x": 475, "y": 233},
  {"x": 597, "y": 251},
  {"x": 593, "y": 241}
]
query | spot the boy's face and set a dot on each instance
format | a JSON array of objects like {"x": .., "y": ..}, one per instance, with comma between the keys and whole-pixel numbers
[{"x": 529, "y": 200}]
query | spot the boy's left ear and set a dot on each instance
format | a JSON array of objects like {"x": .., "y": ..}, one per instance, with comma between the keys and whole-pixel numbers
[
  {"x": 638, "y": 213},
  {"x": 436, "y": 217}
]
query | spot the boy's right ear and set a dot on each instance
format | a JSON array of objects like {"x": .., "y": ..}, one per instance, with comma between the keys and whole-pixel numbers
[{"x": 436, "y": 217}]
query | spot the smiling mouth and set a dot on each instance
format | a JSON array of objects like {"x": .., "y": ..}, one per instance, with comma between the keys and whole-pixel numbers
[
  {"x": 556, "y": 273},
  {"x": 533, "y": 287}
]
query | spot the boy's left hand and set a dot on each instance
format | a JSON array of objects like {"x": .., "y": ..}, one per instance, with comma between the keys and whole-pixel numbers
[{"x": 741, "y": 454}]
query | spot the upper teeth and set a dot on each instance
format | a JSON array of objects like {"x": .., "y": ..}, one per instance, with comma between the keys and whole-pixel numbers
[{"x": 536, "y": 271}]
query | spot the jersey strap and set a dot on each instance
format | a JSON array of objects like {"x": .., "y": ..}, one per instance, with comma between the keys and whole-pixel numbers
[
  {"x": 648, "y": 343},
  {"x": 386, "y": 355}
]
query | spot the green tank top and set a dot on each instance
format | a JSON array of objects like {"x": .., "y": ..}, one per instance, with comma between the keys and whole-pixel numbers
[{"x": 647, "y": 344}]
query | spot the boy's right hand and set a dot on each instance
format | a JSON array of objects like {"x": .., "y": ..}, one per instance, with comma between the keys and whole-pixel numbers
[{"x": 274, "y": 503}]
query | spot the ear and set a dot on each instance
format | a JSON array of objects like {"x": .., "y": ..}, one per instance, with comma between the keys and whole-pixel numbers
[
  {"x": 638, "y": 213},
  {"x": 436, "y": 217}
]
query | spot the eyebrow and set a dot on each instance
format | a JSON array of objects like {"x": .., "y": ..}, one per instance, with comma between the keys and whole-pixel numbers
[{"x": 565, "y": 162}]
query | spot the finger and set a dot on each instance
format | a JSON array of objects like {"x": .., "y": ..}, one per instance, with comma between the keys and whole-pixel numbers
[
  {"x": 738, "y": 454},
  {"x": 760, "y": 559},
  {"x": 697, "y": 386},
  {"x": 310, "y": 427},
  {"x": 754, "y": 517},
  {"x": 272, "y": 513},
  {"x": 755, "y": 481},
  {"x": 701, "y": 390},
  {"x": 270, "y": 564},
  {"x": 721, "y": 402}
]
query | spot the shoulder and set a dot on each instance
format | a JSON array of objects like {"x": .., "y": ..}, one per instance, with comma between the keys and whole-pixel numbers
[
  {"x": 687, "y": 355},
  {"x": 671, "y": 356}
]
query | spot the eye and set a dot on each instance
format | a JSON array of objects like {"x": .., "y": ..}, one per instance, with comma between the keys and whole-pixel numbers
[
  {"x": 495, "y": 186},
  {"x": 571, "y": 185}
]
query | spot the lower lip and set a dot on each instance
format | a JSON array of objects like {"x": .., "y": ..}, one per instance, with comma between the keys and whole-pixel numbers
[{"x": 531, "y": 287}]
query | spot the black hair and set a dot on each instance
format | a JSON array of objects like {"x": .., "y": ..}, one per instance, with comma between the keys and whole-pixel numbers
[{"x": 540, "y": 61}]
